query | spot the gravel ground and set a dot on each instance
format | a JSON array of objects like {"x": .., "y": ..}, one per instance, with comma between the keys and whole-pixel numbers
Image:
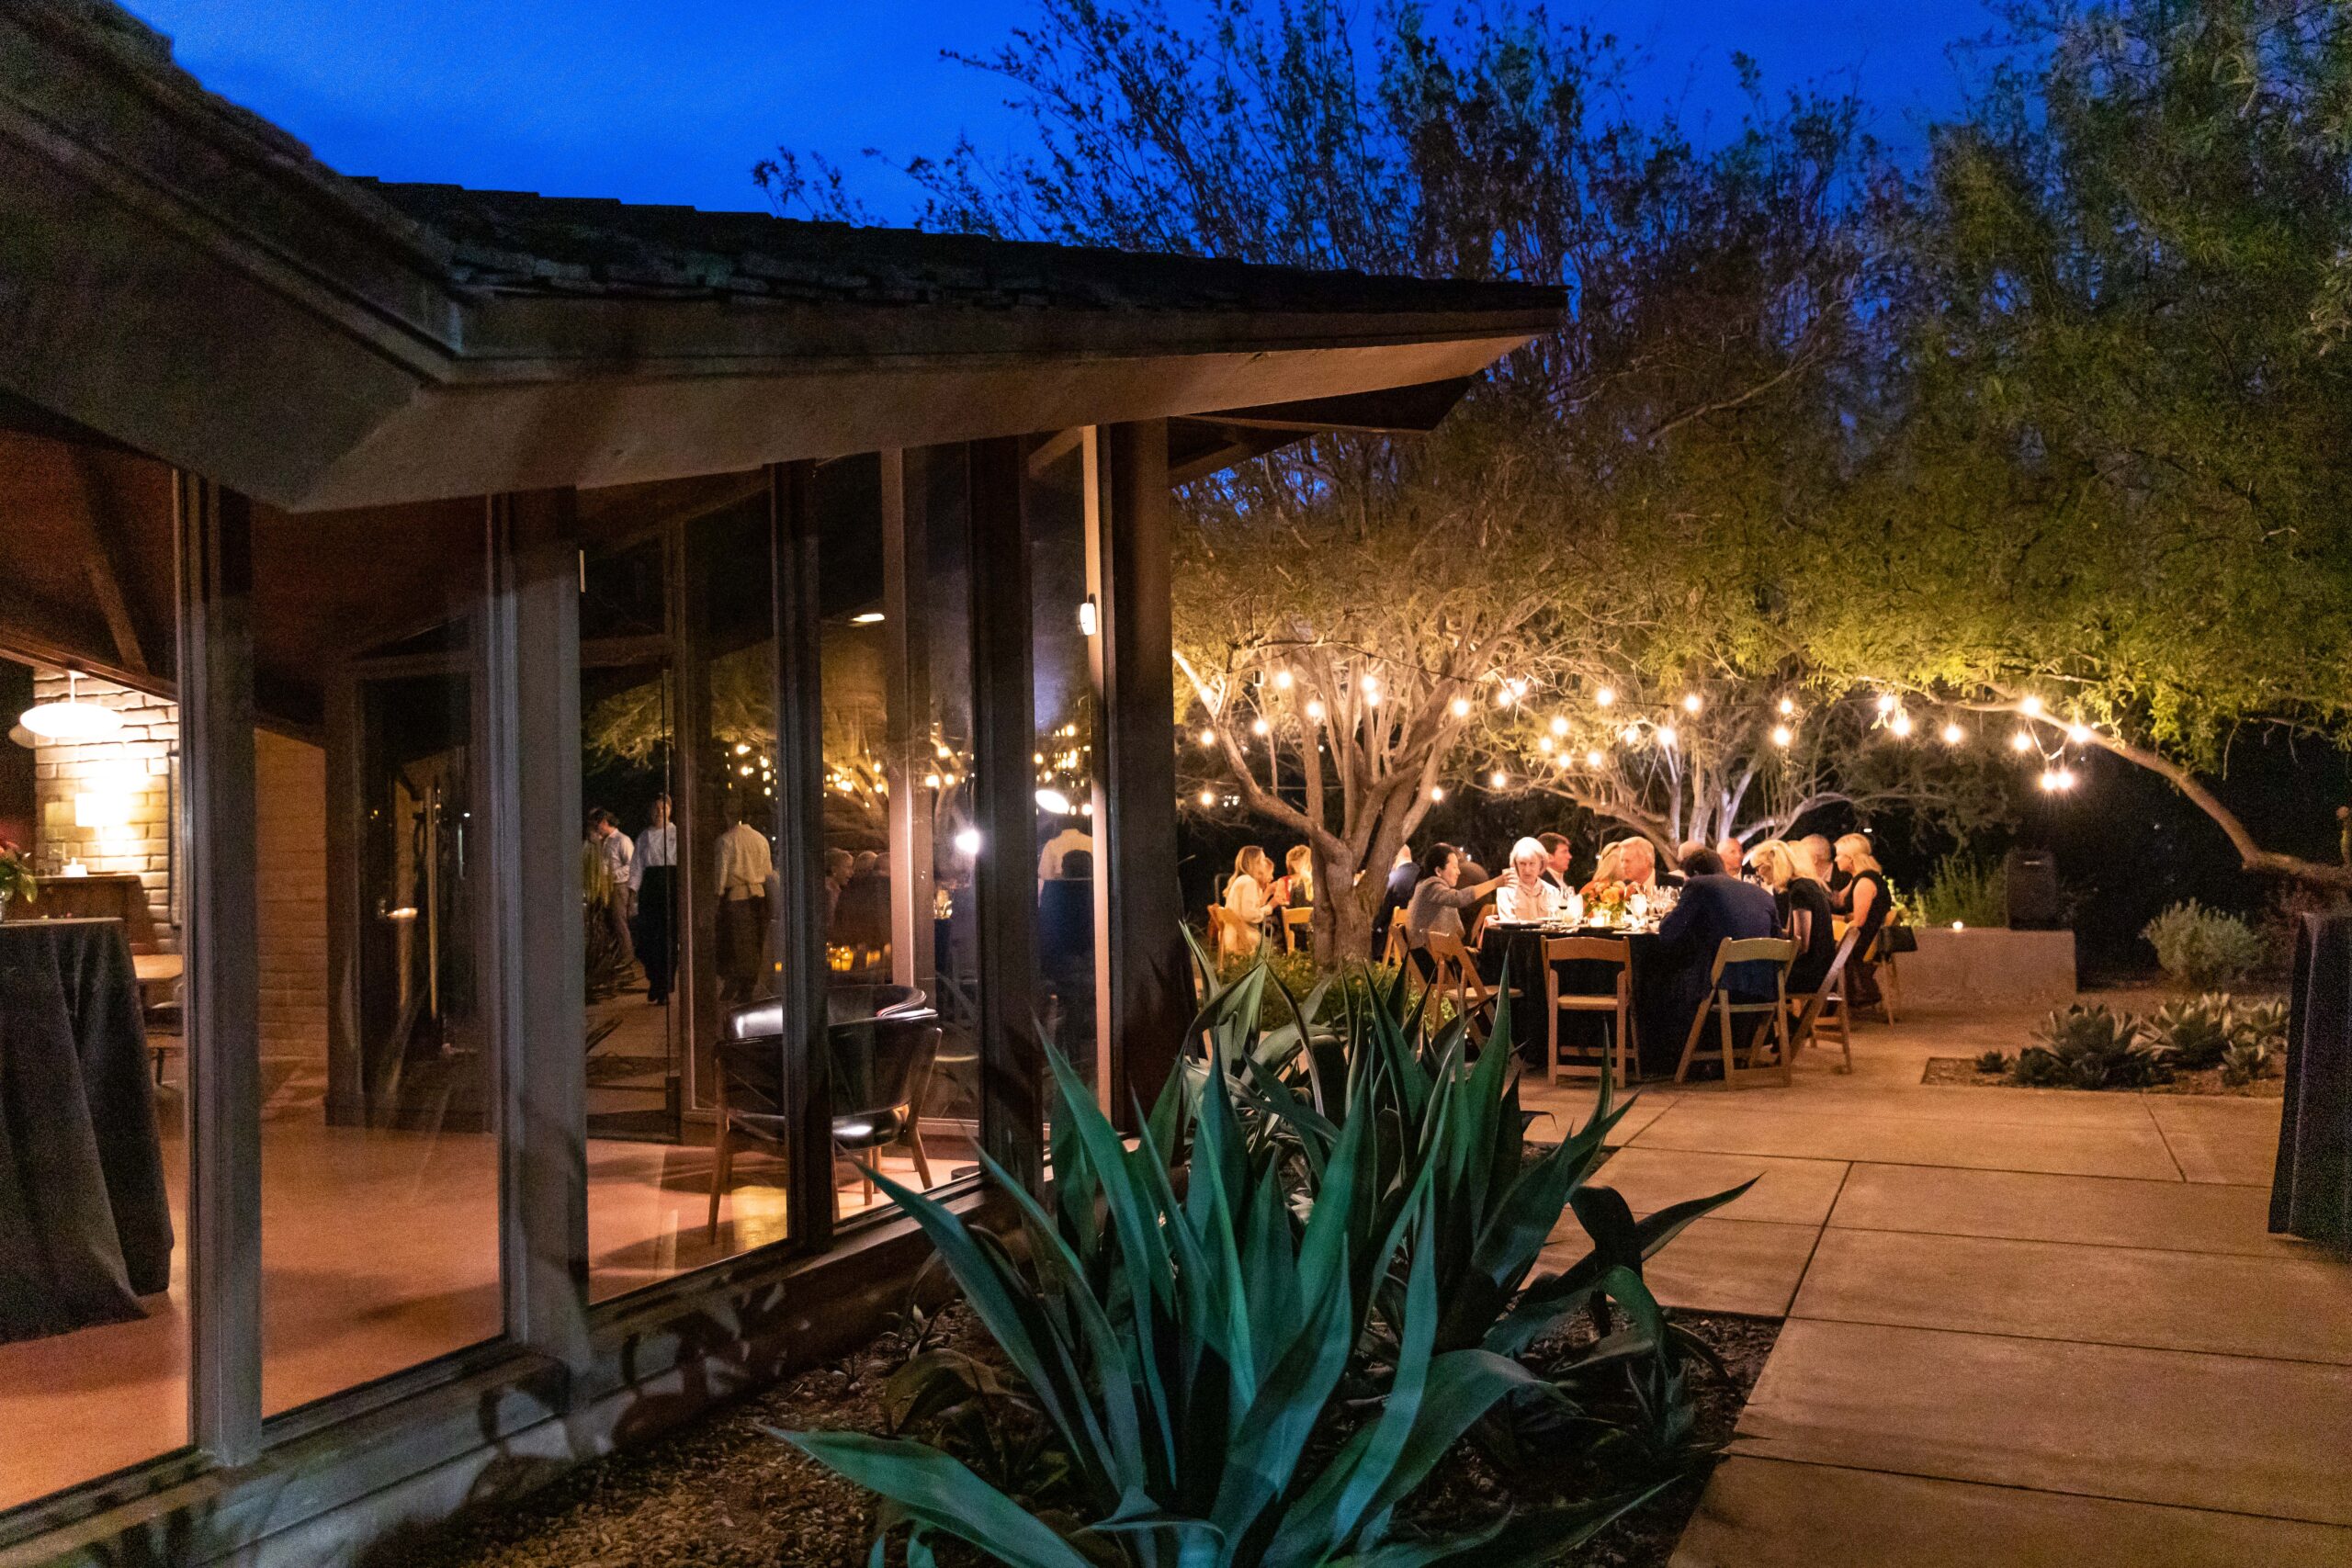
[
  {"x": 724, "y": 1493},
  {"x": 2207, "y": 1080}
]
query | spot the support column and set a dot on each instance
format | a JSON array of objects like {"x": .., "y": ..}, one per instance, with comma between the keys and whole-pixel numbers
[
  {"x": 214, "y": 532},
  {"x": 907, "y": 754},
  {"x": 1144, "y": 976},
  {"x": 1004, "y": 731},
  {"x": 799, "y": 833},
  {"x": 530, "y": 729}
]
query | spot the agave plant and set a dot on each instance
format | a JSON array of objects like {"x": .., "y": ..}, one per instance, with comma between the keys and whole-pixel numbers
[
  {"x": 1188, "y": 1354},
  {"x": 2091, "y": 1047},
  {"x": 2263, "y": 1023},
  {"x": 2195, "y": 1029},
  {"x": 2245, "y": 1061}
]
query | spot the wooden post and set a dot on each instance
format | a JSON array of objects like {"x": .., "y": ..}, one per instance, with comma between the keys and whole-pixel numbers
[
  {"x": 214, "y": 534},
  {"x": 533, "y": 940},
  {"x": 1143, "y": 973},
  {"x": 799, "y": 833},
  {"x": 1004, "y": 810},
  {"x": 908, "y": 755}
]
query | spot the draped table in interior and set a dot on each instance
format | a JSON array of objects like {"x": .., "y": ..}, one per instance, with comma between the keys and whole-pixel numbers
[
  {"x": 85, "y": 1225},
  {"x": 1657, "y": 1034}
]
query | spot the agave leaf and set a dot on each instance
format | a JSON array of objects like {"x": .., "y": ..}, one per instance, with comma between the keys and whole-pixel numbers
[{"x": 941, "y": 1493}]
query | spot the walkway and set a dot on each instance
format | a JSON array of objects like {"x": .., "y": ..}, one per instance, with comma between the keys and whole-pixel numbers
[{"x": 2024, "y": 1328}]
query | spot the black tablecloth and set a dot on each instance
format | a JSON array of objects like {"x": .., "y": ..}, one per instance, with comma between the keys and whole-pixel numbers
[
  {"x": 2311, "y": 1194},
  {"x": 85, "y": 1227},
  {"x": 1657, "y": 1034}
]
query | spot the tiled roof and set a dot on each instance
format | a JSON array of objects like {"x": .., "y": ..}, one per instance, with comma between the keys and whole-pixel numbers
[{"x": 516, "y": 241}]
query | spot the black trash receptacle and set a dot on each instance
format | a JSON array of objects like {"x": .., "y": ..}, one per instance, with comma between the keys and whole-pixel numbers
[
  {"x": 2034, "y": 904},
  {"x": 2311, "y": 1194}
]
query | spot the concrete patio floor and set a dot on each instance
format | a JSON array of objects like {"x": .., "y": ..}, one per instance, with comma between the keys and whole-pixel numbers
[{"x": 2023, "y": 1326}]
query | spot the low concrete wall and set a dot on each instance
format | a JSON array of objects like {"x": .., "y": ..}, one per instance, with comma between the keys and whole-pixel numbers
[{"x": 1988, "y": 967}]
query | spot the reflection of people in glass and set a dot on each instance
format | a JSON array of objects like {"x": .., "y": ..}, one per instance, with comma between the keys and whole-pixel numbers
[
  {"x": 653, "y": 879},
  {"x": 1050, "y": 858},
  {"x": 743, "y": 871},
  {"x": 605, "y": 869}
]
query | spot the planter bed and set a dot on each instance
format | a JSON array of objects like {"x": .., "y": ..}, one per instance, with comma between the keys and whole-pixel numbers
[
  {"x": 1964, "y": 1070},
  {"x": 725, "y": 1493}
]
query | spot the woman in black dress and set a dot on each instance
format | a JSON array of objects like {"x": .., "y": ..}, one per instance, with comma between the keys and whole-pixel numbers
[
  {"x": 1867, "y": 904},
  {"x": 1805, "y": 915}
]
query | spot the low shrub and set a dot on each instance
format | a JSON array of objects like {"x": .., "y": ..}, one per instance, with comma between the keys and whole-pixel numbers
[
  {"x": 2245, "y": 1061},
  {"x": 2260, "y": 1023},
  {"x": 2091, "y": 1047},
  {"x": 2203, "y": 950},
  {"x": 1968, "y": 889},
  {"x": 2195, "y": 1029},
  {"x": 1993, "y": 1062}
]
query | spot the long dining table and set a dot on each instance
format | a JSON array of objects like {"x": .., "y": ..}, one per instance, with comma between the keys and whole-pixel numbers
[{"x": 1657, "y": 1035}]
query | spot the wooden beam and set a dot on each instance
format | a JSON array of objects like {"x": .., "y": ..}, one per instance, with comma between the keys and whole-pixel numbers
[
  {"x": 799, "y": 831},
  {"x": 101, "y": 563},
  {"x": 1199, "y": 462},
  {"x": 1144, "y": 975},
  {"x": 214, "y": 531},
  {"x": 528, "y": 725},
  {"x": 1013, "y": 1106},
  {"x": 1392, "y": 410}
]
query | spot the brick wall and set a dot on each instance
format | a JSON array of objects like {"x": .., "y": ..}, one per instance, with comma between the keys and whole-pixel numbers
[
  {"x": 290, "y": 781},
  {"x": 128, "y": 776},
  {"x": 129, "y": 772}
]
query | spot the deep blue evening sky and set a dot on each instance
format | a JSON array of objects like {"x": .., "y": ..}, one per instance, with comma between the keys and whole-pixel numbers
[{"x": 673, "y": 102}]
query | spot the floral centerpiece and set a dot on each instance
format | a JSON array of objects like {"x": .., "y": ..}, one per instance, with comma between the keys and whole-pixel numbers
[
  {"x": 16, "y": 878},
  {"x": 1606, "y": 902}
]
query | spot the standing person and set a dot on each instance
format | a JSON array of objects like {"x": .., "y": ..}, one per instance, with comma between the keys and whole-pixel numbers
[
  {"x": 605, "y": 857},
  {"x": 1867, "y": 903},
  {"x": 744, "y": 870},
  {"x": 1525, "y": 896},
  {"x": 1050, "y": 867},
  {"x": 1558, "y": 855},
  {"x": 653, "y": 885},
  {"x": 840, "y": 865},
  {"x": 1246, "y": 896}
]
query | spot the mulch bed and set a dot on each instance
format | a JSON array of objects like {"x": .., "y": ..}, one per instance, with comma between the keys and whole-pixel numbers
[
  {"x": 2207, "y": 1080},
  {"x": 724, "y": 1493}
]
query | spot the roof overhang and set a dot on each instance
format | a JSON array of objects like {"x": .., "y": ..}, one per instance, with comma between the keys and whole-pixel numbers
[{"x": 192, "y": 284}]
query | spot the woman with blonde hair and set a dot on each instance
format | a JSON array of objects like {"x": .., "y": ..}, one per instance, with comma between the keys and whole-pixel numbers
[
  {"x": 1297, "y": 890},
  {"x": 1804, "y": 912},
  {"x": 1247, "y": 901},
  {"x": 1867, "y": 903},
  {"x": 1526, "y": 897}
]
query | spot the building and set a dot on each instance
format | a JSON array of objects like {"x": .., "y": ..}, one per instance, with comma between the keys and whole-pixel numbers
[{"x": 400, "y": 526}]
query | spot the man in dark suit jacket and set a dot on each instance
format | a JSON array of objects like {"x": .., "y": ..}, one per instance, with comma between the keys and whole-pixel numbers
[
  {"x": 1715, "y": 908},
  {"x": 1402, "y": 880}
]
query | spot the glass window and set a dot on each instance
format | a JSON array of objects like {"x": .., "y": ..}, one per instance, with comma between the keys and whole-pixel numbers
[
  {"x": 1062, "y": 510},
  {"x": 379, "y": 1167},
  {"x": 93, "y": 1089}
]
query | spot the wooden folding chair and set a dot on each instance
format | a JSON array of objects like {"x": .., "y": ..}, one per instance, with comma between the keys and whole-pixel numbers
[
  {"x": 1773, "y": 1028},
  {"x": 1824, "y": 1010},
  {"x": 1234, "y": 934},
  {"x": 1478, "y": 927},
  {"x": 1397, "y": 954},
  {"x": 1578, "y": 1061},
  {"x": 1457, "y": 975},
  {"x": 1298, "y": 923},
  {"x": 1890, "y": 989}
]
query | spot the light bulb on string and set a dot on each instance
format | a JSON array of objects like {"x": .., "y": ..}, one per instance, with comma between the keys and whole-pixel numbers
[
  {"x": 1208, "y": 797},
  {"x": 1460, "y": 706},
  {"x": 1545, "y": 744},
  {"x": 1667, "y": 735},
  {"x": 1258, "y": 727},
  {"x": 1952, "y": 733},
  {"x": 1559, "y": 723},
  {"x": 1631, "y": 735},
  {"x": 2020, "y": 741},
  {"x": 1783, "y": 734},
  {"x": 1900, "y": 724},
  {"x": 1281, "y": 680},
  {"x": 1788, "y": 707},
  {"x": 1315, "y": 708},
  {"x": 1505, "y": 698},
  {"x": 1594, "y": 760},
  {"x": 1208, "y": 737},
  {"x": 1436, "y": 792},
  {"x": 1370, "y": 684},
  {"x": 1885, "y": 703},
  {"x": 1691, "y": 703},
  {"x": 2029, "y": 705},
  {"x": 2079, "y": 734},
  {"x": 1605, "y": 696},
  {"x": 1518, "y": 686},
  {"x": 1499, "y": 779}
]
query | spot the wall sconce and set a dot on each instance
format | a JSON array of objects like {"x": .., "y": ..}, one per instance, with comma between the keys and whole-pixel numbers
[{"x": 1088, "y": 619}]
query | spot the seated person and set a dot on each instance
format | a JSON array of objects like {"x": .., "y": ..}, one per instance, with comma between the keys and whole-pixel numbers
[
  {"x": 1735, "y": 857},
  {"x": 1630, "y": 866},
  {"x": 1557, "y": 855},
  {"x": 1715, "y": 908},
  {"x": 1525, "y": 896},
  {"x": 1438, "y": 900},
  {"x": 1403, "y": 877},
  {"x": 1246, "y": 896},
  {"x": 1867, "y": 903},
  {"x": 1295, "y": 890},
  {"x": 1804, "y": 913}
]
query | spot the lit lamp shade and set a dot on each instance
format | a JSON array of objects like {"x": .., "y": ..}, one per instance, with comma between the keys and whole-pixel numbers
[{"x": 72, "y": 719}]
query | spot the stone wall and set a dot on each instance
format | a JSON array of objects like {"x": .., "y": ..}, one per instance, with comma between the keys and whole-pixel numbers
[{"x": 290, "y": 782}]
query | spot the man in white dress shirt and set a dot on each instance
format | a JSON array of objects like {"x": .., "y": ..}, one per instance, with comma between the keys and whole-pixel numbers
[{"x": 744, "y": 870}]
